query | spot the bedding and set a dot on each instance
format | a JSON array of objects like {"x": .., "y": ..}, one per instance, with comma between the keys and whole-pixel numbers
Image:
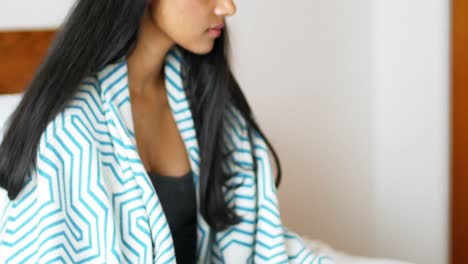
[
  {"x": 340, "y": 257},
  {"x": 7, "y": 104}
]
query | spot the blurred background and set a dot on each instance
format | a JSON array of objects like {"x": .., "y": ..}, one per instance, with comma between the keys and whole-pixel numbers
[{"x": 354, "y": 96}]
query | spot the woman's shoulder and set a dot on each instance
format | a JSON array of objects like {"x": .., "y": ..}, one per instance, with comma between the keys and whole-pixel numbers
[
  {"x": 86, "y": 103},
  {"x": 75, "y": 124},
  {"x": 82, "y": 120}
]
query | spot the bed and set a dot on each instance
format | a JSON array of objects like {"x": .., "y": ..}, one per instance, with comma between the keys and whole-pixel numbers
[{"x": 21, "y": 54}]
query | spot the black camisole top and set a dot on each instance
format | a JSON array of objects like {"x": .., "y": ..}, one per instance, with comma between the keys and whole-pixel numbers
[{"x": 178, "y": 199}]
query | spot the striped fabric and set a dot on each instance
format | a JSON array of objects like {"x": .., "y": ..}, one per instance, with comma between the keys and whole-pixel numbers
[{"x": 90, "y": 199}]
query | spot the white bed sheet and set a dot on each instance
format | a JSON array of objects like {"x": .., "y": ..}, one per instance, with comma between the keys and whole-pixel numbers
[{"x": 341, "y": 257}]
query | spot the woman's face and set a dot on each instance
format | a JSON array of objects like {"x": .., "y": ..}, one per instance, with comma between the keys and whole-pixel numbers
[{"x": 187, "y": 22}]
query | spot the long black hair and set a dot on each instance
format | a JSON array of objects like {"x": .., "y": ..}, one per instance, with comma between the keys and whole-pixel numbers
[{"x": 78, "y": 51}]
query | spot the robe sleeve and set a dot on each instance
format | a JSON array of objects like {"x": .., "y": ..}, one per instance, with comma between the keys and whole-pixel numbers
[
  {"x": 260, "y": 237},
  {"x": 58, "y": 215}
]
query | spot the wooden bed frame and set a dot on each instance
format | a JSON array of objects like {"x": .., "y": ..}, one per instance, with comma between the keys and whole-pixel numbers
[{"x": 23, "y": 51}]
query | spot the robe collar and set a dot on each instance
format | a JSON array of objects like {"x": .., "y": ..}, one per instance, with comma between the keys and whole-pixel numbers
[
  {"x": 115, "y": 96},
  {"x": 114, "y": 91}
]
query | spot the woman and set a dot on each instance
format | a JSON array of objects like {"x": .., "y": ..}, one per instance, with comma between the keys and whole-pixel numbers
[{"x": 134, "y": 143}]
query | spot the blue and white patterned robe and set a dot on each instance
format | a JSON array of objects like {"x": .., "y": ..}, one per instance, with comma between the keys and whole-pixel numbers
[{"x": 91, "y": 200}]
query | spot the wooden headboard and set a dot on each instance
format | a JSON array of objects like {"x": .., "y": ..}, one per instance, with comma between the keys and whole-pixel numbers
[{"x": 21, "y": 53}]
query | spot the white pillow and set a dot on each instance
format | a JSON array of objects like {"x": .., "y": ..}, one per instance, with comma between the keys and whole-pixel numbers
[{"x": 8, "y": 103}]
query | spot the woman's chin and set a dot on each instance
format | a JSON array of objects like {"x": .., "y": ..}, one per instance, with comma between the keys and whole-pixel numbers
[
  {"x": 202, "y": 48},
  {"x": 203, "y": 51}
]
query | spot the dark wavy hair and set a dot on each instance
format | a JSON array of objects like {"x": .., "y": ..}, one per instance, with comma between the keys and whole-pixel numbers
[{"x": 78, "y": 51}]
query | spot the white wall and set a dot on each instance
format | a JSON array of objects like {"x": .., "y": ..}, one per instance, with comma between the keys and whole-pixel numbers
[
  {"x": 305, "y": 66},
  {"x": 411, "y": 110},
  {"x": 354, "y": 96},
  {"x": 18, "y": 14}
]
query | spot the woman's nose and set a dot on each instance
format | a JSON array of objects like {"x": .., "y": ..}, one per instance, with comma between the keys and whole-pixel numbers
[{"x": 226, "y": 8}]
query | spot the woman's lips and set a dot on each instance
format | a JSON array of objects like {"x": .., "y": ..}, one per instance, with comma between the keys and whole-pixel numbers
[
  {"x": 213, "y": 32},
  {"x": 218, "y": 27}
]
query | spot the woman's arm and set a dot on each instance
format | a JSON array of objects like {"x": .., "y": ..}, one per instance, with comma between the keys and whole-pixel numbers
[{"x": 51, "y": 218}]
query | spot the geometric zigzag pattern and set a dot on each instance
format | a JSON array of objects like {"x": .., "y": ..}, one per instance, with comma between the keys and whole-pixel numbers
[{"x": 89, "y": 198}]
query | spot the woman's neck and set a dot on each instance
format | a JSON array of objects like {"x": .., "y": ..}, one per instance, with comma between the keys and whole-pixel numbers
[{"x": 146, "y": 61}]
